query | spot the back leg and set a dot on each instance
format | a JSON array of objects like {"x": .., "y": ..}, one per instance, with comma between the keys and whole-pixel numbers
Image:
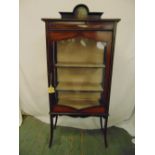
[
  {"x": 56, "y": 119},
  {"x": 101, "y": 123}
]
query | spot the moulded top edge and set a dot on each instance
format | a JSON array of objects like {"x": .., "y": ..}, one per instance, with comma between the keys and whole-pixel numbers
[{"x": 76, "y": 20}]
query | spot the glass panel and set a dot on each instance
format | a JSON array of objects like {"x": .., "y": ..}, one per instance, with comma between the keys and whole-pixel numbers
[
  {"x": 80, "y": 72},
  {"x": 79, "y": 96},
  {"x": 80, "y": 75},
  {"x": 79, "y": 100},
  {"x": 80, "y": 50}
]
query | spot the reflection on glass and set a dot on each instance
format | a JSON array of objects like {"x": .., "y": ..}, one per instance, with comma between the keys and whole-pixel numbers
[
  {"x": 80, "y": 72},
  {"x": 81, "y": 50}
]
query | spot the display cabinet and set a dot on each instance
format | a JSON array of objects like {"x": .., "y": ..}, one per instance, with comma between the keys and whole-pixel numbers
[{"x": 80, "y": 51}]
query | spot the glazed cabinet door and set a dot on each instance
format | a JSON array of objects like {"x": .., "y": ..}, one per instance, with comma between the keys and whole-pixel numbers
[{"x": 81, "y": 67}]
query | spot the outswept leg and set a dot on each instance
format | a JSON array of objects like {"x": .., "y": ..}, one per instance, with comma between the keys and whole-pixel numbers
[{"x": 51, "y": 131}]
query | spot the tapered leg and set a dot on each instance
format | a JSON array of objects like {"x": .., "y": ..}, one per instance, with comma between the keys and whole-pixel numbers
[
  {"x": 105, "y": 132},
  {"x": 56, "y": 118},
  {"x": 101, "y": 122},
  {"x": 51, "y": 131}
]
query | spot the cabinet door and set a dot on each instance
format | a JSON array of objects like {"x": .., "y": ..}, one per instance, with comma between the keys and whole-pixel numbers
[{"x": 82, "y": 67}]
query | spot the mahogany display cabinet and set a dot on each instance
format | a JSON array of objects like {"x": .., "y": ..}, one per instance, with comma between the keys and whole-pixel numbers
[{"x": 80, "y": 51}]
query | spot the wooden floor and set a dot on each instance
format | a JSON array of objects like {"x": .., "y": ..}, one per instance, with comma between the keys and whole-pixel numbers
[{"x": 34, "y": 137}]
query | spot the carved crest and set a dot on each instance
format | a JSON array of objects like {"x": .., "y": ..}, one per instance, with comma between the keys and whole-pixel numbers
[{"x": 81, "y": 12}]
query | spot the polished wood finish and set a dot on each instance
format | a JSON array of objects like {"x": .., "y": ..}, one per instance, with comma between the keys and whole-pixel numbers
[
  {"x": 97, "y": 35},
  {"x": 97, "y": 110},
  {"x": 81, "y": 26},
  {"x": 91, "y": 27}
]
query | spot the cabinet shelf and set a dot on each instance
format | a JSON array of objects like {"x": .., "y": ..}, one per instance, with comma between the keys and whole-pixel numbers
[
  {"x": 79, "y": 104},
  {"x": 79, "y": 87},
  {"x": 78, "y": 65}
]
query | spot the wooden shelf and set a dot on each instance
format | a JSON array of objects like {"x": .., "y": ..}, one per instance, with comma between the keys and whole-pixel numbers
[
  {"x": 79, "y": 87},
  {"x": 73, "y": 65},
  {"x": 78, "y": 104}
]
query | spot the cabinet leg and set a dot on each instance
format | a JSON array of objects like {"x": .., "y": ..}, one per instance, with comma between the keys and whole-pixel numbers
[
  {"x": 101, "y": 122},
  {"x": 56, "y": 119},
  {"x": 51, "y": 131},
  {"x": 105, "y": 132}
]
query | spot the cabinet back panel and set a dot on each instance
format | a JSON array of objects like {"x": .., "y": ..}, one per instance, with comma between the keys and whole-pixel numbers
[{"x": 80, "y": 75}]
